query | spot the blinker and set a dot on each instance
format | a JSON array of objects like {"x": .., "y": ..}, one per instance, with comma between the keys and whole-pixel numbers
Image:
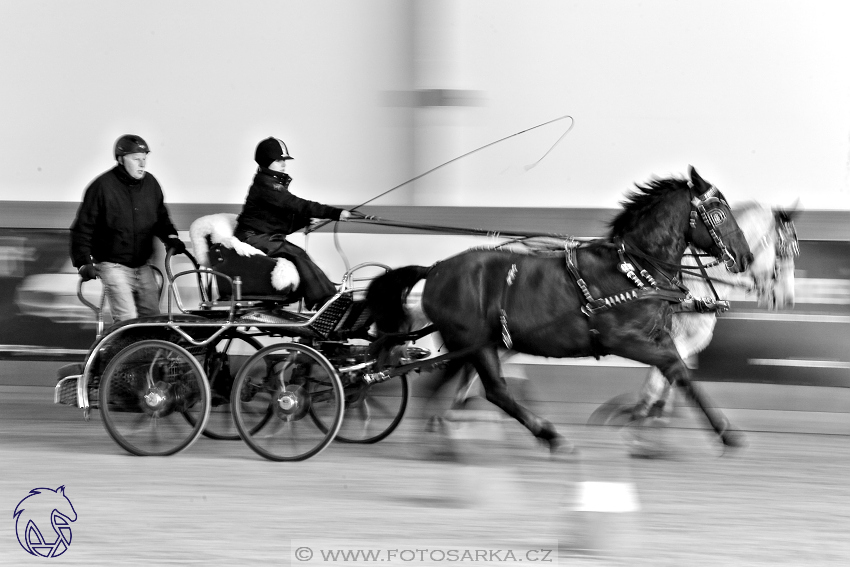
[{"x": 717, "y": 216}]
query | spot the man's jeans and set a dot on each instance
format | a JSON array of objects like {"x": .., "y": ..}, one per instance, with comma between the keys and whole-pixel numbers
[{"x": 132, "y": 292}]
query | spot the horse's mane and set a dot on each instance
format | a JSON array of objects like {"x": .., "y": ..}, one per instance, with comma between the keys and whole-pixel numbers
[{"x": 642, "y": 200}]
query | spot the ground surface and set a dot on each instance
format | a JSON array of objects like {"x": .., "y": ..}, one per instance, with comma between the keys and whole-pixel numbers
[{"x": 781, "y": 501}]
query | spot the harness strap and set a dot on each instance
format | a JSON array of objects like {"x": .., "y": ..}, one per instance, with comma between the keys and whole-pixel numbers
[
  {"x": 571, "y": 257},
  {"x": 383, "y": 375},
  {"x": 704, "y": 273},
  {"x": 570, "y": 246},
  {"x": 503, "y": 317},
  {"x": 628, "y": 268},
  {"x": 673, "y": 296}
]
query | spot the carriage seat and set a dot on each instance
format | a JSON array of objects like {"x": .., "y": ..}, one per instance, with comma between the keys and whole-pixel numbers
[{"x": 263, "y": 278}]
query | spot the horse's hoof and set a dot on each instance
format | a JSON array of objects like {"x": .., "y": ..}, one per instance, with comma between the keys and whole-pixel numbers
[
  {"x": 649, "y": 452},
  {"x": 435, "y": 424},
  {"x": 733, "y": 439},
  {"x": 646, "y": 438},
  {"x": 560, "y": 447}
]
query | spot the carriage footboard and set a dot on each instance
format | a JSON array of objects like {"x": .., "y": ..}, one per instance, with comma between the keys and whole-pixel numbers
[{"x": 65, "y": 391}]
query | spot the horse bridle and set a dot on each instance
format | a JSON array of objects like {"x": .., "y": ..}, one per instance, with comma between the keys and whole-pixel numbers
[
  {"x": 787, "y": 246},
  {"x": 713, "y": 210}
]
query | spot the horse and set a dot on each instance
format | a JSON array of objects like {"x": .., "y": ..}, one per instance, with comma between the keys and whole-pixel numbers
[
  {"x": 772, "y": 238},
  {"x": 611, "y": 296}
]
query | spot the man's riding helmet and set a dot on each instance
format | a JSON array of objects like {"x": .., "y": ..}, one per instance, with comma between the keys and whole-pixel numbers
[
  {"x": 269, "y": 150},
  {"x": 130, "y": 144}
]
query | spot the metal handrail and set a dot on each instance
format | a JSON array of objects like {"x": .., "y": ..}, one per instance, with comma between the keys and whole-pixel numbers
[
  {"x": 234, "y": 283},
  {"x": 98, "y": 310},
  {"x": 348, "y": 279},
  {"x": 200, "y": 269}
]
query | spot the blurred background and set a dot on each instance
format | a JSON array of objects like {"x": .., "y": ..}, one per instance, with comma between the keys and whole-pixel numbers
[{"x": 370, "y": 94}]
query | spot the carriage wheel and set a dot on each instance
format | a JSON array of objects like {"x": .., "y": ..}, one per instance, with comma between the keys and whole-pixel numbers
[
  {"x": 273, "y": 393},
  {"x": 372, "y": 412},
  {"x": 146, "y": 390},
  {"x": 221, "y": 361}
]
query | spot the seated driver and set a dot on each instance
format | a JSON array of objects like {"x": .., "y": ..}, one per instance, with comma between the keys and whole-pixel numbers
[{"x": 271, "y": 213}]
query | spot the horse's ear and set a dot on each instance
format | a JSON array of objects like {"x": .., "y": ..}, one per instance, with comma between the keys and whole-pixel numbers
[
  {"x": 789, "y": 213},
  {"x": 696, "y": 180}
]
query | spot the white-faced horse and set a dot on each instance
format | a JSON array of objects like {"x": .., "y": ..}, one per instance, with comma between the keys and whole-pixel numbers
[{"x": 773, "y": 241}]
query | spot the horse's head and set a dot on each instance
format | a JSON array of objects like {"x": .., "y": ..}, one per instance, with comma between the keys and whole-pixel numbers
[
  {"x": 664, "y": 216},
  {"x": 773, "y": 241},
  {"x": 713, "y": 228}
]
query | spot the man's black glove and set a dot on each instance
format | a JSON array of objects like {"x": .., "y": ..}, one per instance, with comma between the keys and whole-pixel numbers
[
  {"x": 88, "y": 272},
  {"x": 175, "y": 244}
]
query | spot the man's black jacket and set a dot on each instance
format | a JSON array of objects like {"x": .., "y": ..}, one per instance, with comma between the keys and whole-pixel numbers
[{"x": 118, "y": 218}]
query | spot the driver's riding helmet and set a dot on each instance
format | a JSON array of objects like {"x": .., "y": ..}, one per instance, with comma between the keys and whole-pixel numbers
[
  {"x": 130, "y": 144},
  {"x": 270, "y": 150}
]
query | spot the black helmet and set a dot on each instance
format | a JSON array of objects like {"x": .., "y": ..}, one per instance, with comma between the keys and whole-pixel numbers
[
  {"x": 269, "y": 150},
  {"x": 130, "y": 144}
]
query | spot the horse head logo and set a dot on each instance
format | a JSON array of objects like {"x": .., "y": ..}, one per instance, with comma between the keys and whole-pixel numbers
[{"x": 45, "y": 507}]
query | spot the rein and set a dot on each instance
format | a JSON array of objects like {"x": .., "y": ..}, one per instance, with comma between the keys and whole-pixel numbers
[
  {"x": 646, "y": 285},
  {"x": 518, "y": 237},
  {"x": 786, "y": 246},
  {"x": 370, "y": 219}
]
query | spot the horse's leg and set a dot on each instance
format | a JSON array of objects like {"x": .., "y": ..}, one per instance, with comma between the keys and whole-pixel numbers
[
  {"x": 664, "y": 355},
  {"x": 643, "y": 433},
  {"x": 432, "y": 388},
  {"x": 691, "y": 333},
  {"x": 486, "y": 362},
  {"x": 654, "y": 395},
  {"x": 464, "y": 387},
  {"x": 718, "y": 422}
]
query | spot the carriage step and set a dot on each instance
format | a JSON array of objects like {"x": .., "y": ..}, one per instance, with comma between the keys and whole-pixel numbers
[
  {"x": 272, "y": 318},
  {"x": 65, "y": 391},
  {"x": 331, "y": 315}
]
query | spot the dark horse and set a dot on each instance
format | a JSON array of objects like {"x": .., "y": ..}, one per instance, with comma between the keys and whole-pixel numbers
[{"x": 608, "y": 296}]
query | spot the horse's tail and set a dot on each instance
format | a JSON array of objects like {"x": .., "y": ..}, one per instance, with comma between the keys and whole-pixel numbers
[{"x": 387, "y": 295}]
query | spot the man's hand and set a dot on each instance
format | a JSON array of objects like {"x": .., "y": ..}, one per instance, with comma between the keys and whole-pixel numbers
[
  {"x": 344, "y": 215},
  {"x": 88, "y": 272},
  {"x": 175, "y": 244}
]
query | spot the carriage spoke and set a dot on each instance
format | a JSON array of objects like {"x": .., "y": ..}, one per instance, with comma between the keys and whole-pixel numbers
[
  {"x": 375, "y": 410},
  {"x": 222, "y": 360},
  {"x": 274, "y": 396},
  {"x": 149, "y": 420}
]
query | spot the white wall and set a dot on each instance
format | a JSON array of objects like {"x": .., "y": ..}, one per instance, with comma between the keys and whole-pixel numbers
[
  {"x": 203, "y": 82},
  {"x": 756, "y": 94}
]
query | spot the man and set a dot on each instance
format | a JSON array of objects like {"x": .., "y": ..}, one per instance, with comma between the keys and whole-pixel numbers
[
  {"x": 112, "y": 236},
  {"x": 271, "y": 213}
]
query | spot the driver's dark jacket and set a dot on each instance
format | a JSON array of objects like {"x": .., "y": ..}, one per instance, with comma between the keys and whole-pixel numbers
[
  {"x": 118, "y": 219},
  {"x": 271, "y": 209}
]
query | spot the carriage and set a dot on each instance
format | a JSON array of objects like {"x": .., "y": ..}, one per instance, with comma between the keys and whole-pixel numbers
[
  {"x": 239, "y": 365},
  {"x": 288, "y": 382}
]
